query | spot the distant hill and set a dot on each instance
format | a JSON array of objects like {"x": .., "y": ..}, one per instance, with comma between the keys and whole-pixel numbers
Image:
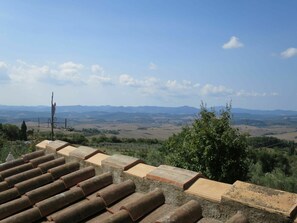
[
  {"x": 141, "y": 114},
  {"x": 186, "y": 110}
]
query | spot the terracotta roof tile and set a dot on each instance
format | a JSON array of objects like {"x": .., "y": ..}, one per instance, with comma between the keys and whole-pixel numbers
[
  {"x": 32, "y": 155},
  {"x": 30, "y": 215},
  {"x": 95, "y": 199},
  {"x": 12, "y": 180},
  {"x": 51, "y": 164},
  {"x": 8, "y": 195},
  {"x": 131, "y": 198},
  {"x": 10, "y": 164},
  {"x": 116, "y": 192},
  {"x": 3, "y": 186},
  {"x": 95, "y": 183},
  {"x": 100, "y": 217},
  {"x": 56, "y": 145},
  {"x": 14, "y": 206},
  {"x": 209, "y": 220},
  {"x": 79, "y": 211},
  {"x": 83, "y": 152},
  {"x": 16, "y": 170},
  {"x": 173, "y": 175},
  {"x": 59, "y": 201},
  {"x": 145, "y": 204},
  {"x": 238, "y": 218},
  {"x": 120, "y": 217},
  {"x": 64, "y": 169},
  {"x": 121, "y": 161},
  {"x": 188, "y": 213},
  {"x": 157, "y": 213},
  {"x": 72, "y": 179},
  {"x": 33, "y": 183},
  {"x": 46, "y": 191},
  {"x": 42, "y": 159}
]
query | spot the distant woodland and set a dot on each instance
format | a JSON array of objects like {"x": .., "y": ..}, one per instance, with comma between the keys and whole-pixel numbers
[{"x": 210, "y": 145}]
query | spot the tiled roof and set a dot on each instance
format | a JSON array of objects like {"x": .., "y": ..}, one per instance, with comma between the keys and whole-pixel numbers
[{"x": 63, "y": 183}]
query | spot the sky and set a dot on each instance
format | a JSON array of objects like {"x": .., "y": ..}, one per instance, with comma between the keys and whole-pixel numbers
[{"x": 149, "y": 52}]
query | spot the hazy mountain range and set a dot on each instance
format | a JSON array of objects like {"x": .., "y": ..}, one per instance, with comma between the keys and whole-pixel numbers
[
  {"x": 140, "y": 114},
  {"x": 185, "y": 110}
]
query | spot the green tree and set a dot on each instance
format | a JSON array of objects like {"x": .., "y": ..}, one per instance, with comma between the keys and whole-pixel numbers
[
  {"x": 211, "y": 146},
  {"x": 11, "y": 132},
  {"x": 23, "y": 132}
]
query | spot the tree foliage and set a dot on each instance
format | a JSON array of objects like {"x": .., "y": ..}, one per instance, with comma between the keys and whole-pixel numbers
[
  {"x": 211, "y": 146},
  {"x": 23, "y": 132}
]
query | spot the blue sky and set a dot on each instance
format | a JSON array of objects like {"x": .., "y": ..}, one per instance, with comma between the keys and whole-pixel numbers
[{"x": 149, "y": 52}]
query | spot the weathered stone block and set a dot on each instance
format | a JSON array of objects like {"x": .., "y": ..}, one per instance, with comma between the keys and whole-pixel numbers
[
  {"x": 267, "y": 199},
  {"x": 42, "y": 145},
  {"x": 121, "y": 161},
  {"x": 140, "y": 170},
  {"x": 56, "y": 145},
  {"x": 97, "y": 159},
  {"x": 66, "y": 150},
  {"x": 209, "y": 189},
  {"x": 83, "y": 152},
  {"x": 173, "y": 175}
]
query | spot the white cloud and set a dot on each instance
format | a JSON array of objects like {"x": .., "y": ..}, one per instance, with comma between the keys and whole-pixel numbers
[
  {"x": 153, "y": 66},
  {"x": 233, "y": 43},
  {"x": 290, "y": 52},
  {"x": 98, "y": 79},
  {"x": 27, "y": 73},
  {"x": 126, "y": 79},
  {"x": 3, "y": 71},
  {"x": 212, "y": 90},
  {"x": 97, "y": 69},
  {"x": 3, "y": 65},
  {"x": 243, "y": 93}
]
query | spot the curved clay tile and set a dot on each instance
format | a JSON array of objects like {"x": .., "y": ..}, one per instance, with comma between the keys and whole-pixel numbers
[
  {"x": 12, "y": 180},
  {"x": 190, "y": 212},
  {"x": 30, "y": 215},
  {"x": 46, "y": 191},
  {"x": 34, "y": 183},
  {"x": 11, "y": 164},
  {"x": 72, "y": 179},
  {"x": 51, "y": 164},
  {"x": 42, "y": 159},
  {"x": 64, "y": 169},
  {"x": 8, "y": 195},
  {"x": 59, "y": 201},
  {"x": 14, "y": 206},
  {"x": 119, "y": 217},
  {"x": 16, "y": 170},
  {"x": 32, "y": 155},
  {"x": 139, "y": 208},
  {"x": 79, "y": 211},
  {"x": 95, "y": 183},
  {"x": 116, "y": 192}
]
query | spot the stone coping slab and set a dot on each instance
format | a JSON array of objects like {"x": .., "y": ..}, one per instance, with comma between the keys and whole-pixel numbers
[
  {"x": 42, "y": 144},
  {"x": 84, "y": 152},
  {"x": 140, "y": 170},
  {"x": 66, "y": 150},
  {"x": 267, "y": 199},
  {"x": 209, "y": 189},
  {"x": 121, "y": 161},
  {"x": 173, "y": 175},
  {"x": 97, "y": 159},
  {"x": 56, "y": 145}
]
